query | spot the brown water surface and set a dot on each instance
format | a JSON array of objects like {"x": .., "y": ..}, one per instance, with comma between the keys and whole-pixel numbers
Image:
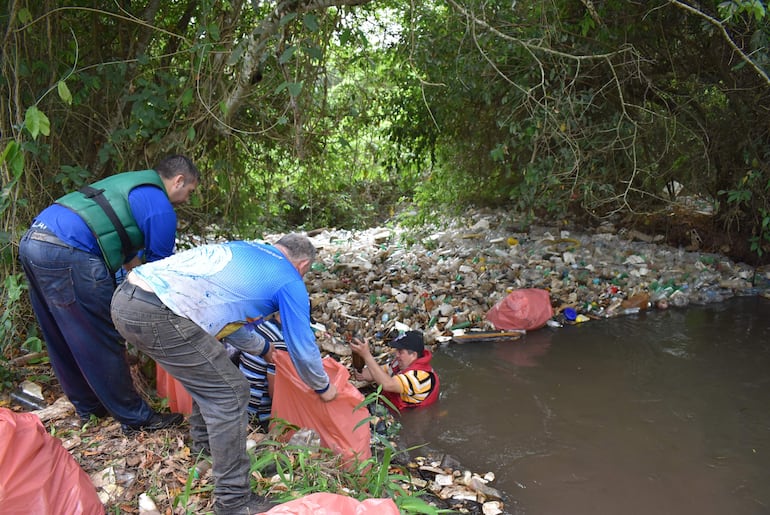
[{"x": 666, "y": 412}]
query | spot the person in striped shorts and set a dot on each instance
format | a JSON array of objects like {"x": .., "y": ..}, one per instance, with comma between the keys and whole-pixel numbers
[{"x": 261, "y": 373}]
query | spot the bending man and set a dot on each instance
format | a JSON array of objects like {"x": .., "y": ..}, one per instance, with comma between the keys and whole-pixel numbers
[
  {"x": 175, "y": 310},
  {"x": 70, "y": 256}
]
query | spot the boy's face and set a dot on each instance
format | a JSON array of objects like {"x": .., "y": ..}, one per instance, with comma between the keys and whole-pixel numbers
[{"x": 405, "y": 358}]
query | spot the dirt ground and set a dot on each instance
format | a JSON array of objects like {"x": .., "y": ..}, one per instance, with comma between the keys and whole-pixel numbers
[
  {"x": 122, "y": 467},
  {"x": 159, "y": 465}
]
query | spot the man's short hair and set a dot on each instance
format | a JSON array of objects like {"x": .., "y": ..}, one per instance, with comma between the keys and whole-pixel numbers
[
  {"x": 171, "y": 166},
  {"x": 298, "y": 246}
]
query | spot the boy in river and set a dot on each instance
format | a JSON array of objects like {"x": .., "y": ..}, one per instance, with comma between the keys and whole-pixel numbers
[{"x": 409, "y": 380}]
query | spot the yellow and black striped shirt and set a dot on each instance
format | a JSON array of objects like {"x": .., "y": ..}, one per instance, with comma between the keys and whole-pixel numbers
[{"x": 416, "y": 385}]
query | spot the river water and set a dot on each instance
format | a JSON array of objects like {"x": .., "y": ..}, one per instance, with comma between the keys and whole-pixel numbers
[{"x": 665, "y": 412}]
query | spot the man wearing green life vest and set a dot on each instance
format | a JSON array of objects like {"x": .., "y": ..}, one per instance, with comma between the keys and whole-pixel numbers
[{"x": 70, "y": 256}]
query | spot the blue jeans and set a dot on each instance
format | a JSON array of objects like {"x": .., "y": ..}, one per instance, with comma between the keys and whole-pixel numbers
[
  {"x": 70, "y": 292},
  {"x": 219, "y": 390}
]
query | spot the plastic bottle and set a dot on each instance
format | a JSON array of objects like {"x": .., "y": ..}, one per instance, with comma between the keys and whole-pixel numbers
[
  {"x": 712, "y": 296},
  {"x": 147, "y": 506},
  {"x": 679, "y": 299},
  {"x": 201, "y": 468},
  {"x": 613, "y": 309},
  {"x": 305, "y": 437},
  {"x": 357, "y": 361},
  {"x": 661, "y": 293},
  {"x": 27, "y": 401}
]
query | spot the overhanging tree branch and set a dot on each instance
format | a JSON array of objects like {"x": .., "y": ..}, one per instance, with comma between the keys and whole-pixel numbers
[
  {"x": 255, "y": 50},
  {"x": 532, "y": 47},
  {"x": 719, "y": 25}
]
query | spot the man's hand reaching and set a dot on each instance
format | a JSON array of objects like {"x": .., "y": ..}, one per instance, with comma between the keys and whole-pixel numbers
[{"x": 330, "y": 394}]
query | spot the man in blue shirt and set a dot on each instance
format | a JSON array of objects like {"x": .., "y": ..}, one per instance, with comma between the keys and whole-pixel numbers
[
  {"x": 177, "y": 309},
  {"x": 70, "y": 256}
]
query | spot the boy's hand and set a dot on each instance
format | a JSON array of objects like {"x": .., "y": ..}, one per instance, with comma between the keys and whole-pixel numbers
[{"x": 360, "y": 347}]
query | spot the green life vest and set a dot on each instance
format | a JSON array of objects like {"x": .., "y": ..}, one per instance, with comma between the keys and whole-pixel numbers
[{"x": 104, "y": 207}]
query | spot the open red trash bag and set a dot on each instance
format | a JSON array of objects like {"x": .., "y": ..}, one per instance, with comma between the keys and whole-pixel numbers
[
  {"x": 334, "y": 504},
  {"x": 335, "y": 421},
  {"x": 179, "y": 400},
  {"x": 526, "y": 309},
  {"x": 37, "y": 474}
]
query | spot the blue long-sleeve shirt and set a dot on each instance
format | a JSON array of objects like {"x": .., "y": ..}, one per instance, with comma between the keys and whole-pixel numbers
[
  {"x": 239, "y": 282},
  {"x": 153, "y": 212}
]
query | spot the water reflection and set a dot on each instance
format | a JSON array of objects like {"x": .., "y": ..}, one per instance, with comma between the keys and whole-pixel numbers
[
  {"x": 526, "y": 352},
  {"x": 665, "y": 412}
]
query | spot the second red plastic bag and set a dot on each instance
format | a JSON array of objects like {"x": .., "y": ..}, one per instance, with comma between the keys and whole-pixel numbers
[
  {"x": 335, "y": 504},
  {"x": 527, "y": 309},
  {"x": 335, "y": 421},
  {"x": 179, "y": 400},
  {"x": 37, "y": 474}
]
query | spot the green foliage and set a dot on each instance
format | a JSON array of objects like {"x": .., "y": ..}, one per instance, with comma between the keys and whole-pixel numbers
[
  {"x": 72, "y": 177},
  {"x": 182, "y": 499},
  {"x": 12, "y": 160},
  {"x": 751, "y": 196},
  {"x": 734, "y": 8},
  {"x": 15, "y": 311},
  {"x": 12, "y": 333},
  {"x": 305, "y": 470},
  {"x": 8, "y": 377},
  {"x": 760, "y": 241},
  {"x": 37, "y": 123}
]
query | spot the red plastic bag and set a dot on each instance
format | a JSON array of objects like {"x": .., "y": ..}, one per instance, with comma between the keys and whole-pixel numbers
[
  {"x": 335, "y": 421},
  {"x": 37, "y": 474},
  {"x": 334, "y": 504},
  {"x": 179, "y": 400},
  {"x": 527, "y": 309}
]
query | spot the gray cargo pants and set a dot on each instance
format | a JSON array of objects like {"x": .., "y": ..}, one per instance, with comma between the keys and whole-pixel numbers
[{"x": 200, "y": 362}]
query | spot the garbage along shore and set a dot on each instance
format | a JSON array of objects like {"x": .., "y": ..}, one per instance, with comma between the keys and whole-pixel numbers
[
  {"x": 441, "y": 280},
  {"x": 444, "y": 281}
]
